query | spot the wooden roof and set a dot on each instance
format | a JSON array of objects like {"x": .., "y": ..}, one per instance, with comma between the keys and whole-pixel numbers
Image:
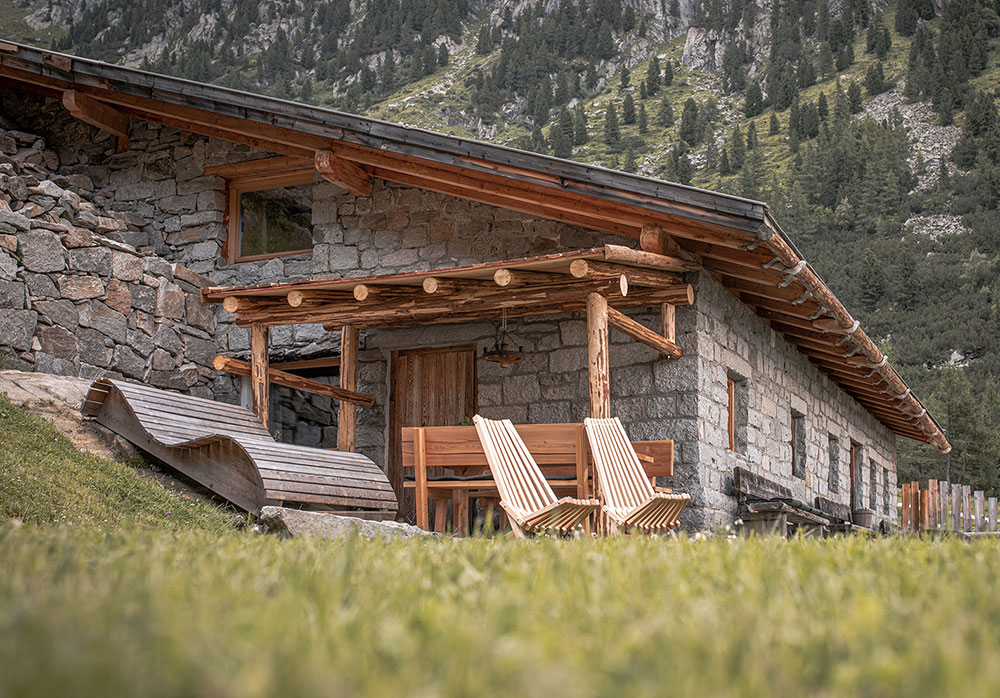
[{"x": 734, "y": 239}]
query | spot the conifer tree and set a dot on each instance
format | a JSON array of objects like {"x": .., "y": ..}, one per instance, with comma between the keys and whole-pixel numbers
[
  {"x": 580, "y": 135},
  {"x": 752, "y": 176},
  {"x": 906, "y": 18},
  {"x": 590, "y": 81},
  {"x": 629, "y": 164},
  {"x": 562, "y": 147},
  {"x": 605, "y": 42},
  {"x": 875, "y": 79},
  {"x": 442, "y": 57},
  {"x": 665, "y": 117},
  {"x": 825, "y": 60},
  {"x": 854, "y": 102},
  {"x": 628, "y": 110},
  {"x": 871, "y": 281},
  {"x": 680, "y": 164},
  {"x": 688, "y": 131},
  {"x": 724, "y": 166},
  {"x": 773, "y": 127},
  {"x": 822, "y": 108},
  {"x": 668, "y": 73},
  {"x": 653, "y": 77},
  {"x": 624, "y": 79},
  {"x": 387, "y": 73},
  {"x": 754, "y": 102},
  {"x": 612, "y": 132},
  {"x": 737, "y": 148},
  {"x": 538, "y": 140},
  {"x": 483, "y": 42},
  {"x": 752, "y": 135},
  {"x": 643, "y": 119},
  {"x": 642, "y": 90}
]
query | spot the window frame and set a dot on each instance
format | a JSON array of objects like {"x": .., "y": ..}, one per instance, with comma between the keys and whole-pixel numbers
[
  {"x": 731, "y": 391},
  {"x": 235, "y": 188}
]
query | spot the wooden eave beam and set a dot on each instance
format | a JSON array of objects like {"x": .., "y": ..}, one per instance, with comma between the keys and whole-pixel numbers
[
  {"x": 619, "y": 254},
  {"x": 641, "y": 333},
  {"x": 290, "y": 380},
  {"x": 281, "y": 164},
  {"x": 653, "y": 278},
  {"x": 97, "y": 114},
  {"x": 803, "y": 310},
  {"x": 344, "y": 174}
]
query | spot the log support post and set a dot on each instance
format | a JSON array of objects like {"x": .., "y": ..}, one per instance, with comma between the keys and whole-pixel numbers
[
  {"x": 598, "y": 362},
  {"x": 347, "y": 420},
  {"x": 259, "y": 387},
  {"x": 668, "y": 314}
]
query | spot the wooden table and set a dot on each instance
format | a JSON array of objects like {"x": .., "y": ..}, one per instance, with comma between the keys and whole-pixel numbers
[{"x": 447, "y": 454}]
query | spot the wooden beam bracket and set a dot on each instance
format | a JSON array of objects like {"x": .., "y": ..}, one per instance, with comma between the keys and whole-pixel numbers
[
  {"x": 344, "y": 174},
  {"x": 98, "y": 114}
]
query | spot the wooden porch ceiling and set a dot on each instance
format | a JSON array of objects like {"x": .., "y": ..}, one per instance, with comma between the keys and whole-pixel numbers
[
  {"x": 543, "y": 285},
  {"x": 735, "y": 240}
]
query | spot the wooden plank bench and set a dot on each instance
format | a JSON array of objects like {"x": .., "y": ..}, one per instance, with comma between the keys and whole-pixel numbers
[
  {"x": 767, "y": 507},
  {"x": 448, "y": 463}
]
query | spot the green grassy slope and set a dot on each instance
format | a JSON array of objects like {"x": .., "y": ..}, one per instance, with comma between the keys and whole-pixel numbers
[
  {"x": 45, "y": 480},
  {"x": 144, "y": 613}
]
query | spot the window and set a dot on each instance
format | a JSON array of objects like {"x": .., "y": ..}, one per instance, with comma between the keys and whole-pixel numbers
[
  {"x": 873, "y": 484},
  {"x": 737, "y": 410},
  {"x": 834, "y": 450},
  {"x": 886, "y": 503},
  {"x": 857, "y": 466},
  {"x": 269, "y": 217},
  {"x": 798, "y": 445}
]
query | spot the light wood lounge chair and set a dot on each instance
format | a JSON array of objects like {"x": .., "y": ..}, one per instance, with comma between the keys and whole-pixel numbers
[
  {"x": 524, "y": 494},
  {"x": 630, "y": 500}
]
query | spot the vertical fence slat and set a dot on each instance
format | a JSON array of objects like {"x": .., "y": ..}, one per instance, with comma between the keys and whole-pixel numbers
[
  {"x": 979, "y": 510},
  {"x": 932, "y": 504},
  {"x": 943, "y": 492},
  {"x": 956, "y": 510},
  {"x": 915, "y": 505},
  {"x": 904, "y": 514},
  {"x": 993, "y": 514},
  {"x": 925, "y": 510},
  {"x": 966, "y": 508}
]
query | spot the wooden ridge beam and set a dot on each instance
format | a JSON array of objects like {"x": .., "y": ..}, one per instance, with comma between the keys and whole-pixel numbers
[
  {"x": 290, "y": 380},
  {"x": 362, "y": 292},
  {"x": 641, "y": 333},
  {"x": 97, "y": 114},
  {"x": 344, "y": 174}
]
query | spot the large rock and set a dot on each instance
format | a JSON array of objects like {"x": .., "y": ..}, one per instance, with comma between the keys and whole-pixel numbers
[
  {"x": 295, "y": 523},
  {"x": 41, "y": 251},
  {"x": 17, "y": 327}
]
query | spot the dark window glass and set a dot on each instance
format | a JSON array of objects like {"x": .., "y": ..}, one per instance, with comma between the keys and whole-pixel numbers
[
  {"x": 273, "y": 221},
  {"x": 798, "y": 445},
  {"x": 834, "y": 449}
]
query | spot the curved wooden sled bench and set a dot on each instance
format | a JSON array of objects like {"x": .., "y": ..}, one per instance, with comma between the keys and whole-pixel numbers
[{"x": 227, "y": 449}]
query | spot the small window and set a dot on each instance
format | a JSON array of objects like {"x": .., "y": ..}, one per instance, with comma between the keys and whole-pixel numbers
[
  {"x": 264, "y": 220},
  {"x": 798, "y": 445},
  {"x": 834, "y": 450},
  {"x": 737, "y": 413},
  {"x": 873, "y": 484},
  {"x": 886, "y": 503},
  {"x": 857, "y": 471}
]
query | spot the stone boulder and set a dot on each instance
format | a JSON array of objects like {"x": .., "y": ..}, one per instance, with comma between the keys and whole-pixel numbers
[{"x": 297, "y": 523}]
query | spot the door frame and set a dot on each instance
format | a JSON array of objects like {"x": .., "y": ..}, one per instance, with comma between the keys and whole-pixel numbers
[{"x": 393, "y": 458}]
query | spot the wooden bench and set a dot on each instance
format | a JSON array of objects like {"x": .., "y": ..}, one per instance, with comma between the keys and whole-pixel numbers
[
  {"x": 767, "y": 507},
  {"x": 448, "y": 463}
]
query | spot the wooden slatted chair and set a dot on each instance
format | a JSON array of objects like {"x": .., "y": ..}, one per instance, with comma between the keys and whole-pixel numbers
[
  {"x": 525, "y": 496},
  {"x": 630, "y": 500}
]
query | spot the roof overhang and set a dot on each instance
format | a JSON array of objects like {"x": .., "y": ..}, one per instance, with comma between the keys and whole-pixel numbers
[{"x": 734, "y": 239}]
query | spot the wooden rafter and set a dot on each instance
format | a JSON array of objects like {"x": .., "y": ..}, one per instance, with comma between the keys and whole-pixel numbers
[
  {"x": 97, "y": 114},
  {"x": 290, "y": 380},
  {"x": 345, "y": 175}
]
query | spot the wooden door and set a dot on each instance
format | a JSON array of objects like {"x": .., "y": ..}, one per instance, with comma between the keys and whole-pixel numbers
[
  {"x": 856, "y": 491},
  {"x": 429, "y": 387}
]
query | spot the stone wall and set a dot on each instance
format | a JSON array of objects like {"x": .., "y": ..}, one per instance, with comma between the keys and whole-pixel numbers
[
  {"x": 731, "y": 341},
  {"x": 76, "y": 302}
]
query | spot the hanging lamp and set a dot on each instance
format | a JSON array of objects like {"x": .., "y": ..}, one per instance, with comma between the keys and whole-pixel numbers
[{"x": 503, "y": 351}]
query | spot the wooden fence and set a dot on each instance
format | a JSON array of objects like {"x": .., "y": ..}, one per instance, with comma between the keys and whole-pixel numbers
[{"x": 944, "y": 506}]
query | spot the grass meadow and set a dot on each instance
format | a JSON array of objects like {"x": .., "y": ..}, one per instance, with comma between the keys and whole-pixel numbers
[
  {"x": 112, "y": 586},
  {"x": 150, "y": 612}
]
